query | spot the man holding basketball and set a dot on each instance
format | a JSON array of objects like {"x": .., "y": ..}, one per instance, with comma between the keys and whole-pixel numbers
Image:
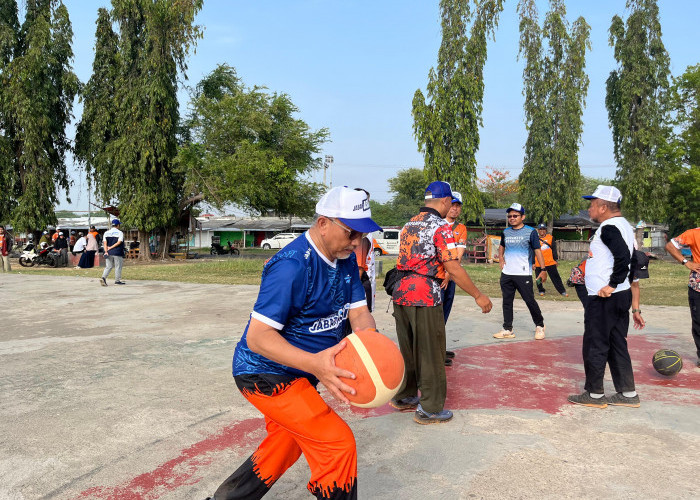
[
  {"x": 691, "y": 239},
  {"x": 309, "y": 289},
  {"x": 606, "y": 316}
]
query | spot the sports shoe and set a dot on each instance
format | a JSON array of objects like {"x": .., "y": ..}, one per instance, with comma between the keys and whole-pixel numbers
[
  {"x": 103, "y": 282},
  {"x": 448, "y": 362},
  {"x": 585, "y": 399},
  {"x": 449, "y": 354},
  {"x": 423, "y": 417},
  {"x": 406, "y": 404},
  {"x": 539, "y": 332},
  {"x": 504, "y": 334},
  {"x": 120, "y": 282},
  {"x": 620, "y": 399},
  {"x": 541, "y": 294},
  {"x": 564, "y": 294}
]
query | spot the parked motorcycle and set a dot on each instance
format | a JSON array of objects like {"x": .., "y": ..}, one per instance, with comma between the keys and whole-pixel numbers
[
  {"x": 218, "y": 249},
  {"x": 31, "y": 258}
]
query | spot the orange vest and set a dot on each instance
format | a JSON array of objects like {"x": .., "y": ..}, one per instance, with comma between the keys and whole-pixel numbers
[{"x": 546, "y": 247}]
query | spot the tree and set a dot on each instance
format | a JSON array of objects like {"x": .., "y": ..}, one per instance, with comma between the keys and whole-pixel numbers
[
  {"x": 244, "y": 146},
  {"x": 684, "y": 188},
  {"x": 408, "y": 187},
  {"x": 446, "y": 124},
  {"x": 97, "y": 127},
  {"x": 555, "y": 87},
  {"x": 38, "y": 88},
  {"x": 637, "y": 104},
  {"x": 499, "y": 187},
  {"x": 130, "y": 155}
]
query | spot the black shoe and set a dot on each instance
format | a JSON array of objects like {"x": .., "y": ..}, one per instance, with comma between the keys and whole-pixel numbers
[
  {"x": 120, "y": 283},
  {"x": 448, "y": 362},
  {"x": 423, "y": 417},
  {"x": 103, "y": 282},
  {"x": 620, "y": 399},
  {"x": 449, "y": 354},
  {"x": 406, "y": 404},
  {"x": 585, "y": 399}
]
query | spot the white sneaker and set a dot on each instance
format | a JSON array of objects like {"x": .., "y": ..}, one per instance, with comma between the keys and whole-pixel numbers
[
  {"x": 504, "y": 334},
  {"x": 539, "y": 333}
]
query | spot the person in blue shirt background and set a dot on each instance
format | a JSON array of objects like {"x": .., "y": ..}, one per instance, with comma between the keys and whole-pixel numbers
[
  {"x": 519, "y": 243},
  {"x": 309, "y": 290},
  {"x": 114, "y": 253}
]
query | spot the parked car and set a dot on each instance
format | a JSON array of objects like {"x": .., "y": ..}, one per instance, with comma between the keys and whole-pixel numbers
[
  {"x": 386, "y": 242},
  {"x": 278, "y": 240}
]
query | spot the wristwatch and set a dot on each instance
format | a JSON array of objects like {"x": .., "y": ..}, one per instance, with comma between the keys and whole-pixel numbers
[
  {"x": 636, "y": 311},
  {"x": 684, "y": 261}
]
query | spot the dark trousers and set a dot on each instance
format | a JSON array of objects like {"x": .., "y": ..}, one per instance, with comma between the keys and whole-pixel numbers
[
  {"x": 421, "y": 335},
  {"x": 523, "y": 284},
  {"x": 553, "y": 275},
  {"x": 448, "y": 297},
  {"x": 606, "y": 321},
  {"x": 694, "y": 303},
  {"x": 582, "y": 293}
]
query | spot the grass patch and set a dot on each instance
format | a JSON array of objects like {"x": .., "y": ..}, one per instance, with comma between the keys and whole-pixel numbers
[{"x": 666, "y": 286}]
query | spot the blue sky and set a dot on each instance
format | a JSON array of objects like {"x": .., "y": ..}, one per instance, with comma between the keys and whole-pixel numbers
[{"x": 353, "y": 67}]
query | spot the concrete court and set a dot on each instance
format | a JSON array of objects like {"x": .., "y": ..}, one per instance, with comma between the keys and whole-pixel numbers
[{"x": 126, "y": 393}]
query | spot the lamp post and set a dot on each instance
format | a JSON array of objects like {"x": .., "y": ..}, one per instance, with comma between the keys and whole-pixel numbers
[{"x": 328, "y": 164}]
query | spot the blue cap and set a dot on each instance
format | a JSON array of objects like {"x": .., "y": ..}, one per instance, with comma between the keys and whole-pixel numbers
[
  {"x": 438, "y": 189},
  {"x": 115, "y": 222},
  {"x": 541, "y": 226}
]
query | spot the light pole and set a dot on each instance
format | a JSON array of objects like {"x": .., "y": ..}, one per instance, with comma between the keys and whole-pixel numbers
[{"x": 328, "y": 164}]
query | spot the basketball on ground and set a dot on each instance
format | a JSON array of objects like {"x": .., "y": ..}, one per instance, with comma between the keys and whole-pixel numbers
[
  {"x": 667, "y": 362},
  {"x": 378, "y": 367}
]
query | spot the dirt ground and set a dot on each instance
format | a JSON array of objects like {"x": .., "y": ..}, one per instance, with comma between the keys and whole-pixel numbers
[{"x": 126, "y": 393}]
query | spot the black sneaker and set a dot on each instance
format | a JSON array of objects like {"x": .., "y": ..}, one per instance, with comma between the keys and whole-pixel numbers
[
  {"x": 449, "y": 354},
  {"x": 406, "y": 404},
  {"x": 620, "y": 399},
  {"x": 585, "y": 399},
  {"x": 120, "y": 283},
  {"x": 448, "y": 362},
  {"x": 423, "y": 417},
  {"x": 103, "y": 282}
]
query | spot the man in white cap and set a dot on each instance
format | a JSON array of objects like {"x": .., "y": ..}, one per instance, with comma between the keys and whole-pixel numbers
[
  {"x": 606, "y": 317},
  {"x": 519, "y": 244},
  {"x": 309, "y": 290}
]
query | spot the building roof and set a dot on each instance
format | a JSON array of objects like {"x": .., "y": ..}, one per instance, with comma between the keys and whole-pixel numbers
[
  {"x": 497, "y": 217},
  {"x": 271, "y": 224}
]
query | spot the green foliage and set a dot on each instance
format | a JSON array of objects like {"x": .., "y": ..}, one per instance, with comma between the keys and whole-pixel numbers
[
  {"x": 684, "y": 197},
  {"x": 36, "y": 100},
  {"x": 245, "y": 147},
  {"x": 408, "y": 187},
  {"x": 446, "y": 124},
  {"x": 498, "y": 189},
  {"x": 637, "y": 103},
  {"x": 127, "y": 137},
  {"x": 555, "y": 87}
]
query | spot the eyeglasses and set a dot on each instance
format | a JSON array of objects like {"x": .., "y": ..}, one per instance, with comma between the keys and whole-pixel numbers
[
  {"x": 352, "y": 234},
  {"x": 513, "y": 216}
]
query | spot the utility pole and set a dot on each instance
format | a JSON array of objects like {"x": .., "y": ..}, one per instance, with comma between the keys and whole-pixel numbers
[{"x": 328, "y": 164}]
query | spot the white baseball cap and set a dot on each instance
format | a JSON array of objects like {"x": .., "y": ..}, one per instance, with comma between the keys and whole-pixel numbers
[
  {"x": 349, "y": 206},
  {"x": 607, "y": 193}
]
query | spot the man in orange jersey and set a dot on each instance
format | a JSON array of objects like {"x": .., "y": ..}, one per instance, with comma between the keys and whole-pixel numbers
[
  {"x": 448, "y": 286},
  {"x": 691, "y": 239},
  {"x": 549, "y": 252}
]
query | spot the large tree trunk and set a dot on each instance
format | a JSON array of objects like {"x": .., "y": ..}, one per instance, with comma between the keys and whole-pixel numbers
[{"x": 144, "y": 248}]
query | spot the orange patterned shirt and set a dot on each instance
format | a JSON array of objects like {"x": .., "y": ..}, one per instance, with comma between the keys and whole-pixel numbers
[{"x": 426, "y": 242}]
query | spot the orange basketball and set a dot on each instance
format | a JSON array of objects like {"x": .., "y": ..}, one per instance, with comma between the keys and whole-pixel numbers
[{"x": 378, "y": 367}]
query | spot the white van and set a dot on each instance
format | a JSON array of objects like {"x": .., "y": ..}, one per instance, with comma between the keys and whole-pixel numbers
[{"x": 386, "y": 241}]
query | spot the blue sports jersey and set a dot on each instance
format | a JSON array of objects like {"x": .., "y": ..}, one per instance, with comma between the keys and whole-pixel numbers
[
  {"x": 519, "y": 250},
  {"x": 306, "y": 298}
]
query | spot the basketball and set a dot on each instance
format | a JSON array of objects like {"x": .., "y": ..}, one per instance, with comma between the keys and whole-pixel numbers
[
  {"x": 667, "y": 362},
  {"x": 378, "y": 367}
]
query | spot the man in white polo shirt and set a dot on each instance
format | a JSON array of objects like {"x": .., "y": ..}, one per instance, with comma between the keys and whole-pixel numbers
[{"x": 606, "y": 318}]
